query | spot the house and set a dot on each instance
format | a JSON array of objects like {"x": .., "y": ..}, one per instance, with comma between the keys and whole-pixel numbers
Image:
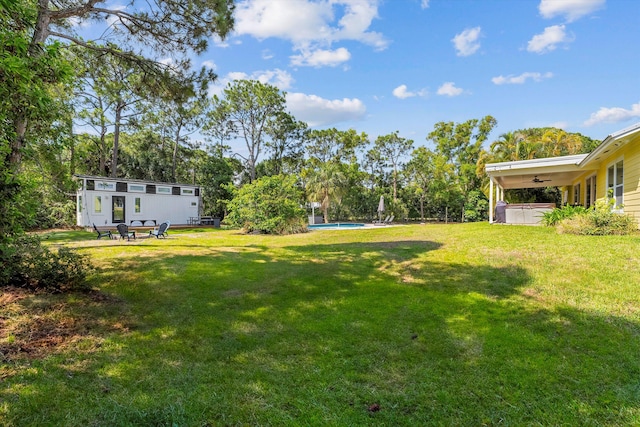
[
  {"x": 612, "y": 168},
  {"x": 111, "y": 201}
]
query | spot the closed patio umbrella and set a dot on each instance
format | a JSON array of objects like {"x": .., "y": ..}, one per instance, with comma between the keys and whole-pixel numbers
[{"x": 380, "y": 208}]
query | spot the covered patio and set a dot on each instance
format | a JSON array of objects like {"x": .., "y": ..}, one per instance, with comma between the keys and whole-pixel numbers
[{"x": 547, "y": 172}]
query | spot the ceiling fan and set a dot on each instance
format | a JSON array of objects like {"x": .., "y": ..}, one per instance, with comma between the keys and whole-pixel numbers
[{"x": 537, "y": 180}]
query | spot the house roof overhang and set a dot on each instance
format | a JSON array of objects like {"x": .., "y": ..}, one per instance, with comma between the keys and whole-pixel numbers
[
  {"x": 559, "y": 171},
  {"x": 610, "y": 145},
  {"x": 547, "y": 172}
]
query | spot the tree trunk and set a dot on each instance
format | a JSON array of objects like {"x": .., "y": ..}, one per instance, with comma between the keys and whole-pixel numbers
[
  {"x": 40, "y": 34},
  {"x": 395, "y": 185},
  {"x": 174, "y": 160},
  {"x": 116, "y": 140},
  {"x": 15, "y": 157}
]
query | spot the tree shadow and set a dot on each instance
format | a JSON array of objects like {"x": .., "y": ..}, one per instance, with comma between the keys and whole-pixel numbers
[{"x": 319, "y": 333}]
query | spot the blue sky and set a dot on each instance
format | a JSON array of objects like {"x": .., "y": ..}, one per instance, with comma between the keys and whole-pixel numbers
[
  {"x": 384, "y": 65},
  {"x": 380, "y": 66}
]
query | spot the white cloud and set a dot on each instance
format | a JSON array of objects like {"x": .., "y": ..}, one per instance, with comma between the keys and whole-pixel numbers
[
  {"x": 310, "y": 25},
  {"x": 305, "y": 21},
  {"x": 209, "y": 64},
  {"x": 521, "y": 79},
  {"x": 267, "y": 54},
  {"x": 321, "y": 57},
  {"x": 613, "y": 115},
  {"x": 449, "y": 89},
  {"x": 424, "y": 4},
  {"x": 570, "y": 9},
  {"x": 317, "y": 111},
  {"x": 402, "y": 92},
  {"x": 549, "y": 39},
  {"x": 466, "y": 43},
  {"x": 559, "y": 125},
  {"x": 277, "y": 77}
]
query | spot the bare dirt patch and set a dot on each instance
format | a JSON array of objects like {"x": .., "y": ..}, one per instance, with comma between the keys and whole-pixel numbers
[{"x": 35, "y": 325}]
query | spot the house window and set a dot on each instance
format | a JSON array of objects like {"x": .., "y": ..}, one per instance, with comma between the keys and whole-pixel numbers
[
  {"x": 79, "y": 203},
  {"x": 615, "y": 182},
  {"x": 136, "y": 188},
  {"x": 163, "y": 190},
  {"x": 576, "y": 194},
  {"x": 590, "y": 193},
  {"x": 97, "y": 204},
  {"x": 137, "y": 205},
  {"x": 187, "y": 191}
]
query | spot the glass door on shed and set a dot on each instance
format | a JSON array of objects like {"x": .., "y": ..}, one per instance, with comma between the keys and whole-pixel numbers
[{"x": 117, "y": 209}]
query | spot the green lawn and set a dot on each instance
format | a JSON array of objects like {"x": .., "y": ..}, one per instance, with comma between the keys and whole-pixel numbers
[{"x": 412, "y": 325}]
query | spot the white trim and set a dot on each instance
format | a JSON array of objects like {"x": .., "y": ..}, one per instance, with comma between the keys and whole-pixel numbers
[
  {"x": 136, "y": 188},
  {"x": 619, "y": 207}
]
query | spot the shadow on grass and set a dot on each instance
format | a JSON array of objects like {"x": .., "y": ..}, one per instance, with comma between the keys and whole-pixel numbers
[{"x": 338, "y": 334}]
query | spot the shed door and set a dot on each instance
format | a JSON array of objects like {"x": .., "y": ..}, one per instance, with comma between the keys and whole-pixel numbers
[{"x": 117, "y": 212}]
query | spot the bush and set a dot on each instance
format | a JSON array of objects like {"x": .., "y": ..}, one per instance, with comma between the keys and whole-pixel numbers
[
  {"x": 600, "y": 220},
  {"x": 29, "y": 264},
  {"x": 271, "y": 205},
  {"x": 559, "y": 214}
]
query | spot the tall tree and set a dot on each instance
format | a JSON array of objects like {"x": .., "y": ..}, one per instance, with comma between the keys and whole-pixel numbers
[
  {"x": 247, "y": 110},
  {"x": 331, "y": 153},
  {"x": 461, "y": 145},
  {"x": 420, "y": 171},
  {"x": 180, "y": 110},
  {"x": 160, "y": 26},
  {"x": 392, "y": 149},
  {"x": 287, "y": 137}
]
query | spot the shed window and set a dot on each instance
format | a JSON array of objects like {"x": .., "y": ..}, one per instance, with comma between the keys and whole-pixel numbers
[
  {"x": 101, "y": 185},
  {"x": 136, "y": 188},
  {"x": 97, "y": 204},
  {"x": 163, "y": 190},
  {"x": 137, "y": 205},
  {"x": 187, "y": 191}
]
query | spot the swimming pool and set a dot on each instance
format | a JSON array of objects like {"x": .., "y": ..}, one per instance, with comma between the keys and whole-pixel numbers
[{"x": 334, "y": 225}]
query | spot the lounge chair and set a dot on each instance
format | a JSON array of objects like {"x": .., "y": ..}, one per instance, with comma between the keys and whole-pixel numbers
[
  {"x": 123, "y": 229},
  {"x": 102, "y": 234},
  {"x": 389, "y": 220},
  {"x": 161, "y": 231},
  {"x": 382, "y": 222}
]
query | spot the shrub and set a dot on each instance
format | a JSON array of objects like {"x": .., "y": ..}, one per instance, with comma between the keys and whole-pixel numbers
[
  {"x": 29, "y": 264},
  {"x": 553, "y": 217},
  {"x": 271, "y": 205},
  {"x": 600, "y": 220}
]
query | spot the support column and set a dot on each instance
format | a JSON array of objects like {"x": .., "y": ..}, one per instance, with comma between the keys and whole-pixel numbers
[{"x": 491, "y": 207}]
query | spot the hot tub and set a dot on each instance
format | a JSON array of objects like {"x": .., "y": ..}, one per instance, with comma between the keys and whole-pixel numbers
[{"x": 527, "y": 213}]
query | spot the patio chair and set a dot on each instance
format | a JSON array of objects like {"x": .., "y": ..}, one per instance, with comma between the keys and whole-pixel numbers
[
  {"x": 123, "y": 229},
  {"x": 382, "y": 222},
  {"x": 161, "y": 231},
  {"x": 389, "y": 219},
  {"x": 102, "y": 234}
]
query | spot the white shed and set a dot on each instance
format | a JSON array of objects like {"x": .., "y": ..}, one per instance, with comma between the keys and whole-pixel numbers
[{"x": 111, "y": 201}]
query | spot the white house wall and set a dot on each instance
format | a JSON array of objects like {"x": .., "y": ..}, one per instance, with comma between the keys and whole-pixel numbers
[{"x": 177, "y": 209}]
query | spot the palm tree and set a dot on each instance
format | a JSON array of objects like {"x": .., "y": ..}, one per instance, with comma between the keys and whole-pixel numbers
[
  {"x": 507, "y": 147},
  {"x": 324, "y": 184}
]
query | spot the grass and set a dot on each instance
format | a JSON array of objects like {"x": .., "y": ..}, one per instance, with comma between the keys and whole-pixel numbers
[{"x": 417, "y": 325}]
